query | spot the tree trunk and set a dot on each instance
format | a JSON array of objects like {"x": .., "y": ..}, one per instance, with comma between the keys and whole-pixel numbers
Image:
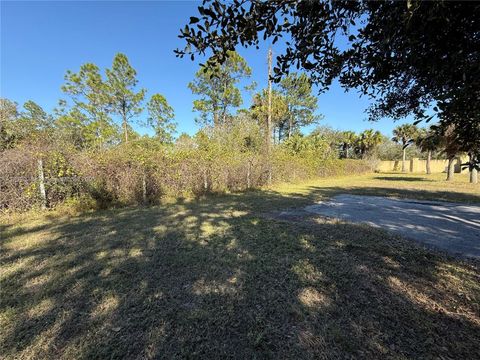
[
  {"x": 269, "y": 115},
  {"x": 346, "y": 155},
  {"x": 269, "y": 112},
  {"x": 41, "y": 183},
  {"x": 205, "y": 180},
  {"x": 290, "y": 127},
  {"x": 144, "y": 188},
  {"x": 248, "y": 175},
  {"x": 403, "y": 160},
  {"x": 474, "y": 176},
  {"x": 429, "y": 158},
  {"x": 450, "y": 169},
  {"x": 125, "y": 128},
  {"x": 473, "y": 171}
]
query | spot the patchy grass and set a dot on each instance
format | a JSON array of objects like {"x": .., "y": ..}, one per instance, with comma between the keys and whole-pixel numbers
[{"x": 215, "y": 279}]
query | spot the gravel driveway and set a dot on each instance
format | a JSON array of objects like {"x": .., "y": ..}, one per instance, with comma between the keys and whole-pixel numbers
[{"x": 452, "y": 227}]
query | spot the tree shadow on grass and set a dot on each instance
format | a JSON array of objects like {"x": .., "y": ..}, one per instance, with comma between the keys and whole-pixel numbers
[
  {"x": 403, "y": 178},
  {"x": 451, "y": 196},
  {"x": 214, "y": 279}
]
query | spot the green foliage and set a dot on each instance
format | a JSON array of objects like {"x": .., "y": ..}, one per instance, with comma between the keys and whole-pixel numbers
[
  {"x": 292, "y": 106},
  {"x": 332, "y": 137},
  {"x": 184, "y": 141},
  {"x": 36, "y": 118},
  {"x": 32, "y": 125},
  {"x": 349, "y": 139},
  {"x": 279, "y": 110},
  {"x": 160, "y": 118},
  {"x": 428, "y": 140},
  {"x": 88, "y": 120},
  {"x": 301, "y": 103},
  {"x": 367, "y": 141},
  {"x": 74, "y": 127},
  {"x": 297, "y": 144},
  {"x": 405, "y": 134},
  {"x": 450, "y": 146},
  {"x": 8, "y": 124},
  {"x": 120, "y": 91},
  {"x": 218, "y": 89},
  {"x": 390, "y": 150},
  {"x": 406, "y": 56},
  {"x": 314, "y": 145}
]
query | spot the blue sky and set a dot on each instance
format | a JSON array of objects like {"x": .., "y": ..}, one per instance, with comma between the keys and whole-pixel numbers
[{"x": 40, "y": 41}]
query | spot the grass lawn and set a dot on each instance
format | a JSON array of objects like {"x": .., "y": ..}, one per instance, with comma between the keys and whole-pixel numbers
[{"x": 213, "y": 278}]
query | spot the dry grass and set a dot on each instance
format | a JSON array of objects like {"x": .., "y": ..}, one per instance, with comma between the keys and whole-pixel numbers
[{"x": 215, "y": 279}]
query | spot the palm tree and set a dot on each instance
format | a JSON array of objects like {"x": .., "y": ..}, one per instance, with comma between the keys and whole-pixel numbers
[
  {"x": 451, "y": 148},
  {"x": 368, "y": 140},
  {"x": 296, "y": 143},
  {"x": 405, "y": 135},
  {"x": 428, "y": 141},
  {"x": 349, "y": 138},
  {"x": 473, "y": 165}
]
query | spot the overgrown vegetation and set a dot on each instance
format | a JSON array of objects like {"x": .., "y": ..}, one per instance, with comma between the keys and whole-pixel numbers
[
  {"x": 144, "y": 171},
  {"x": 88, "y": 154}
]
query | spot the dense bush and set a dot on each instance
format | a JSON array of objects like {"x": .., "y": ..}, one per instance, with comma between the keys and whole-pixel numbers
[
  {"x": 18, "y": 182},
  {"x": 144, "y": 171}
]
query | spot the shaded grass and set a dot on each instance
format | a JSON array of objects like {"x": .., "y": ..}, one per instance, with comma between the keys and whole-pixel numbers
[
  {"x": 214, "y": 279},
  {"x": 402, "y": 178}
]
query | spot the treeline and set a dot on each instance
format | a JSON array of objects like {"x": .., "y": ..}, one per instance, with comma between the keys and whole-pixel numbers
[{"x": 87, "y": 153}]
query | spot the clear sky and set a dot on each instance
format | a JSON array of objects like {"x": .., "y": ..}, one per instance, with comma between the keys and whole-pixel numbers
[{"x": 40, "y": 41}]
